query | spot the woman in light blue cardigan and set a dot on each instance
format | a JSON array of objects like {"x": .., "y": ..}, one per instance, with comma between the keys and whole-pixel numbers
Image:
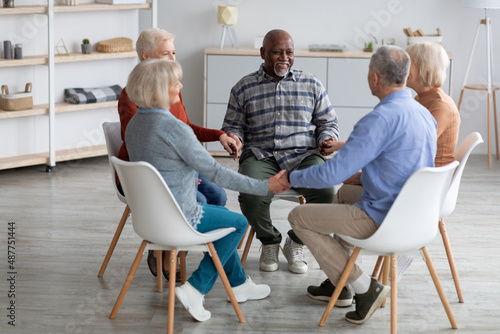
[{"x": 156, "y": 136}]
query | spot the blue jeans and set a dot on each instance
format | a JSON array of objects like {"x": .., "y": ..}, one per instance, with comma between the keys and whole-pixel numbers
[
  {"x": 210, "y": 193},
  {"x": 215, "y": 217}
]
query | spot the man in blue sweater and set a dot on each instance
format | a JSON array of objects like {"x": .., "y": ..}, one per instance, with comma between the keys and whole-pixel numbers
[{"x": 389, "y": 144}]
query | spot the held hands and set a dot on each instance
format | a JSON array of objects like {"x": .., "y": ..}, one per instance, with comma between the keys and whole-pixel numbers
[
  {"x": 231, "y": 144},
  {"x": 329, "y": 146},
  {"x": 277, "y": 185}
]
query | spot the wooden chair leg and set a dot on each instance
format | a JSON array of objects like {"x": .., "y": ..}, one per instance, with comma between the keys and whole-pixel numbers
[
  {"x": 247, "y": 246},
  {"x": 182, "y": 257},
  {"x": 128, "y": 280},
  {"x": 376, "y": 269},
  {"x": 460, "y": 99},
  {"x": 451, "y": 260},
  {"x": 159, "y": 269},
  {"x": 394, "y": 294},
  {"x": 243, "y": 238},
  {"x": 112, "y": 246},
  {"x": 225, "y": 281},
  {"x": 171, "y": 290},
  {"x": 339, "y": 286},
  {"x": 439, "y": 288},
  {"x": 385, "y": 276}
]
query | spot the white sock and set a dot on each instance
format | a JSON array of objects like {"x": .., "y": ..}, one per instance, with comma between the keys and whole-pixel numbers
[{"x": 362, "y": 284}]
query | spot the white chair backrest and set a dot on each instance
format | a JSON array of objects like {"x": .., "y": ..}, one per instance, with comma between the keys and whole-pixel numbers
[
  {"x": 112, "y": 134},
  {"x": 461, "y": 155},
  {"x": 411, "y": 223},
  {"x": 156, "y": 216}
]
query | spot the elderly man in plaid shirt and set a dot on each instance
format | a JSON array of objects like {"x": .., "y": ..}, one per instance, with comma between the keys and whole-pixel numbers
[{"x": 282, "y": 119}]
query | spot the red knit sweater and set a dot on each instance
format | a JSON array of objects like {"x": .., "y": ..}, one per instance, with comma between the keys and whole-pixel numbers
[{"x": 127, "y": 109}]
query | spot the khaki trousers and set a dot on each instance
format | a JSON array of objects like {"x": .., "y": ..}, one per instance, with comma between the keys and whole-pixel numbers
[{"x": 314, "y": 224}]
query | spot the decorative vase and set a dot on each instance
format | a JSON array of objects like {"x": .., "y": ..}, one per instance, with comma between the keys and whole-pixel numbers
[{"x": 86, "y": 48}]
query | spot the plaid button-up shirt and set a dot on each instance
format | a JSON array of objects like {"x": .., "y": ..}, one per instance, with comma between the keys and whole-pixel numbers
[{"x": 286, "y": 119}]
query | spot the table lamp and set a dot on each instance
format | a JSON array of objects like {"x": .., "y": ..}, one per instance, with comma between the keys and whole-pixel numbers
[
  {"x": 489, "y": 88},
  {"x": 228, "y": 17}
]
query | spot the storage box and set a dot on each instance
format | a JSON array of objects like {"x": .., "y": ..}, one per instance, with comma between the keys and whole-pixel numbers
[
  {"x": 17, "y": 101},
  {"x": 120, "y": 44},
  {"x": 120, "y": 2},
  {"x": 432, "y": 39}
]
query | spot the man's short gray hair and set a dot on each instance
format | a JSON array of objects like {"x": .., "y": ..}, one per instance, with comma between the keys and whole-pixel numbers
[{"x": 392, "y": 64}]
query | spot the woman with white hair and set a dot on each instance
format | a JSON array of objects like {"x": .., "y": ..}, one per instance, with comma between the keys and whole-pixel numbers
[
  {"x": 152, "y": 135},
  {"x": 429, "y": 62}
]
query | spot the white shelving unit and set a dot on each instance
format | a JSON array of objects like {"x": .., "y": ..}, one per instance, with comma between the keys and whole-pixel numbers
[{"x": 51, "y": 108}]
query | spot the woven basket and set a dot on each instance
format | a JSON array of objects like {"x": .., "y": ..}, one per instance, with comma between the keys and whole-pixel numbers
[
  {"x": 17, "y": 101},
  {"x": 120, "y": 44}
]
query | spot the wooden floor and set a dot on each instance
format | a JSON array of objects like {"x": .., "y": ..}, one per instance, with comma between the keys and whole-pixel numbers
[{"x": 65, "y": 220}]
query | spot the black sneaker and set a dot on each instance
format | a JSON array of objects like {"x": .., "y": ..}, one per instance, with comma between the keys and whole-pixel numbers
[
  {"x": 152, "y": 262},
  {"x": 325, "y": 291},
  {"x": 368, "y": 302}
]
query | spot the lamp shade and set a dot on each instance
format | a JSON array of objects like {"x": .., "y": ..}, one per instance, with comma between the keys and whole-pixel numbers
[
  {"x": 481, "y": 3},
  {"x": 227, "y": 15}
]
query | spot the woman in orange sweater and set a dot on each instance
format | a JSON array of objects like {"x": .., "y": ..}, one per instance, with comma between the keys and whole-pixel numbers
[{"x": 429, "y": 62}]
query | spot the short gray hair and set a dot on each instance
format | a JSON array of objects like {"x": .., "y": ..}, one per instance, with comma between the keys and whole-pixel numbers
[
  {"x": 149, "y": 39},
  {"x": 432, "y": 62},
  {"x": 148, "y": 83},
  {"x": 392, "y": 64}
]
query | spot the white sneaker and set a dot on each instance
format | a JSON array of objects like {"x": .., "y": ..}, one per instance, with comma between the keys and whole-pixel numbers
[
  {"x": 269, "y": 257},
  {"x": 193, "y": 301},
  {"x": 294, "y": 254},
  {"x": 250, "y": 291},
  {"x": 403, "y": 264}
]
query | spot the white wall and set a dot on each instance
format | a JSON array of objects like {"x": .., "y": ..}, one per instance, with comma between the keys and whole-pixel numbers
[{"x": 333, "y": 21}]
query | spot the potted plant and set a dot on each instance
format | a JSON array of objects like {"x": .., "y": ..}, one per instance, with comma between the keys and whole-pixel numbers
[
  {"x": 86, "y": 46},
  {"x": 368, "y": 47}
]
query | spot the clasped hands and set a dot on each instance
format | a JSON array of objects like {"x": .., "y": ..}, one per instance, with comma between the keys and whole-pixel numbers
[
  {"x": 231, "y": 143},
  {"x": 279, "y": 182}
]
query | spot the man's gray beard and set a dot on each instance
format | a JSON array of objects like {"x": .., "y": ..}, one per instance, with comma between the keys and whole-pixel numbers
[{"x": 281, "y": 73}]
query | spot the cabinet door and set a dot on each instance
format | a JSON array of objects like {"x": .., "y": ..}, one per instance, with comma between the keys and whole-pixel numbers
[
  {"x": 313, "y": 65},
  {"x": 348, "y": 84},
  {"x": 223, "y": 72},
  {"x": 348, "y": 117}
]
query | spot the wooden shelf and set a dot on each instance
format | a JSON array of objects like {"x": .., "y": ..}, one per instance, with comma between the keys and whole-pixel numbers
[
  {"x": 71, "y": 58},
  {"x": 68, "y": 107},
  {"x": 81, "y": 152},
  {"x": 43, "y": 109},
  {"x": 89, "y": 7},
  {"x": 37, "y": 110},
  {"x": 43, "y": 158}
]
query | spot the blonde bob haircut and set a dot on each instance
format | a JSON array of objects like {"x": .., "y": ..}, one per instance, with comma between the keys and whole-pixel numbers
[
  {"x": 431, "y": 60},
  {"x": 150, "y": 39},
  {"x": 148, "y": 83}
]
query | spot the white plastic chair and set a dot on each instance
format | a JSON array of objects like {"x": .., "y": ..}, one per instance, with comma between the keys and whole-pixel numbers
[
  {"x": 461, "y": 155},
  {"x": 288, "y": 195},
  {"x": 158, "y": 219},
  {"x": 409, "y": 225},
  {"x": 112, "y": 134}
]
